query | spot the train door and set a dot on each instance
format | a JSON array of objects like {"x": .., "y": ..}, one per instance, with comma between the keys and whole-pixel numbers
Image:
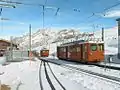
[
  {"x": 68, "y": 53},
  {"x": 58, "y": 50},
  {"x": 78, "y": 50},
  {"x": 84, "y": 52}
]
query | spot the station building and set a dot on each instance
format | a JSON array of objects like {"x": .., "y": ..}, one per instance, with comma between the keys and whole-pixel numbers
[{"x": 6, "y": 45}]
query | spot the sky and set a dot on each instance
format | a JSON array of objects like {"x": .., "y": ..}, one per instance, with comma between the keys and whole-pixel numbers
[{"x": 85, "y": 15}]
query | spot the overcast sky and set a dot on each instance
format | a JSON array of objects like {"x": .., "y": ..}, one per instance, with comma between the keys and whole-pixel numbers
[{"x": 87, "y": 15}]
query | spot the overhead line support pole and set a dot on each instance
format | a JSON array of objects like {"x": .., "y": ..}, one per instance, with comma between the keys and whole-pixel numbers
[
  {"x": 102, "y": 34},
  {"x": 30, "y": 37},
  {"x": 43, "y": 15}
]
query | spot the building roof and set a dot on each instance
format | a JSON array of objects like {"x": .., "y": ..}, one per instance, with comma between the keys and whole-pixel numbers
[
  {"x": 80, "y": 42},
  {"x": 7, "y": 41}
]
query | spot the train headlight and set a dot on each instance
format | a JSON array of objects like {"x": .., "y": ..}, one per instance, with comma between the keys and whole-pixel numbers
[{"x": 90, "y": 53}]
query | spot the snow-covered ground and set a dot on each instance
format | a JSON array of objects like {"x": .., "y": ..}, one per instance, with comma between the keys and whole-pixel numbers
[
  {"x": 20, "y": 74},
  {"x": 85, "y": 80},
  {"x": 92, "y": 68},
  {"x": 25, "y": 76}
]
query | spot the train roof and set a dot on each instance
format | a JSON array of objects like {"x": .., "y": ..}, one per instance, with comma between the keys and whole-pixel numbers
[
  {"x": 43, "y": 49},
  {"x": 80, "y": 42}
]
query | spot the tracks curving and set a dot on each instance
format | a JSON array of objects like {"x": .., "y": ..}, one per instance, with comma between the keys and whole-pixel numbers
[
  {"x": 55, "y": 77},
  {"x": 49, "y": 80}
]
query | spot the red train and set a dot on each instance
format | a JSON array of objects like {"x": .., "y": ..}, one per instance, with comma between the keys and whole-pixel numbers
[
  {"x": 44, "y": 53},
  {"x": 83, "y": 51}
]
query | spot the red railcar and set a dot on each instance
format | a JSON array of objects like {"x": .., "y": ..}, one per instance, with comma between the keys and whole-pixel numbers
[
  {"x": 44, "y": 53},
  {"x": 85, "y": 51}
]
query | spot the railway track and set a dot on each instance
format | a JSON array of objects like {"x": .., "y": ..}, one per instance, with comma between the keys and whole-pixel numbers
[
  {"x": 106, "y": 66},
  {"x": 95, "y": 64},
  {"x": 112, "y": 79},
  {"x": 49, "y": 80}
]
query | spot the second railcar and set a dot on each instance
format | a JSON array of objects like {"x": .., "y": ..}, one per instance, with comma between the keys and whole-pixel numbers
[{"x": 44, "y": 53}]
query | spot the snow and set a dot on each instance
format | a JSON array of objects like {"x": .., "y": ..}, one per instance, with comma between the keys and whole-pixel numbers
[
  {"x": 92, "y": 68},
  {"x": 85, "y": 80},
  {"x": 2, "y": 60},
  {"x": 25, "y": 76},
  {"x": 18, "y": 74},
  {"x": 110, "y": 50}
]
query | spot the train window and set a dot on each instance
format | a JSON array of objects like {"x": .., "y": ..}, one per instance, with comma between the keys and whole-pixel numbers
[
  {"x": 70, "y": 49},
  {"x": 43, "y": 51},
  {"x": 64, "y": 49},
  {"x": 73, "y": 49},
  {"x": 85, "y": 48},
  {"x": 78, "y": 49},
  {"x": 46, "y": 51},
  {"x": 100, "y": 47},
  {"x": 93, "y": 47}
]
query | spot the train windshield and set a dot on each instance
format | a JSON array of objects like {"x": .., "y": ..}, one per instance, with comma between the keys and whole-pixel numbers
[
  {"x": 100, "y": 47},
  {"x": 93, "y": 47}
]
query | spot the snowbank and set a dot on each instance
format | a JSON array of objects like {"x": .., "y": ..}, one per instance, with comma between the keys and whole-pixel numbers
[{"x": 2, "y": 60}]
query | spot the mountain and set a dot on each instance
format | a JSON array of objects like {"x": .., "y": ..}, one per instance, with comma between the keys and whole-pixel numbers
[{"x": 45, "y": 37}]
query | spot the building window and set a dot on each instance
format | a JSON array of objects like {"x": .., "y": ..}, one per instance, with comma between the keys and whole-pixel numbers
[{"x": 3, "y": 44}]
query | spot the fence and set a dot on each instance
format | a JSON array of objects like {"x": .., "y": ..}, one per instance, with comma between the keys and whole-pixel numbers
[{"x": 17, "y": 55}]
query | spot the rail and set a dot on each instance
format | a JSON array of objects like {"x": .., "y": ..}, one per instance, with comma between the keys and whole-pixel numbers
[
  {"x": 112, "y": 79},
  {"x": 52, "y": 86}
]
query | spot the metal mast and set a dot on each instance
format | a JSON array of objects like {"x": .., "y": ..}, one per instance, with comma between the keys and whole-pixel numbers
[
  {"x": 102, "y": 34},
  {"x": 30, "y": 37}
]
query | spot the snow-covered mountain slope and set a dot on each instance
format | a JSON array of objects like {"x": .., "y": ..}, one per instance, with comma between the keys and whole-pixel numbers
[{"x": 45, "y": 37}]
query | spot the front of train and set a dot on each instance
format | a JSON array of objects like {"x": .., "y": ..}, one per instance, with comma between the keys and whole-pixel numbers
[
  {"x": 96, "y": 51},
  {"x": 44, "y": 53}
]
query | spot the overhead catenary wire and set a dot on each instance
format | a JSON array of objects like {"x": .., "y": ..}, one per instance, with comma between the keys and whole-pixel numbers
[
  {"x": 111, "y": 6},
  {"x": 58, "y": 9},
  {"x": 95, "y": 14}
]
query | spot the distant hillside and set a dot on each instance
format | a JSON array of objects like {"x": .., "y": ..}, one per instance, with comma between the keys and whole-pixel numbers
[{"x": 45, "y": 37}]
